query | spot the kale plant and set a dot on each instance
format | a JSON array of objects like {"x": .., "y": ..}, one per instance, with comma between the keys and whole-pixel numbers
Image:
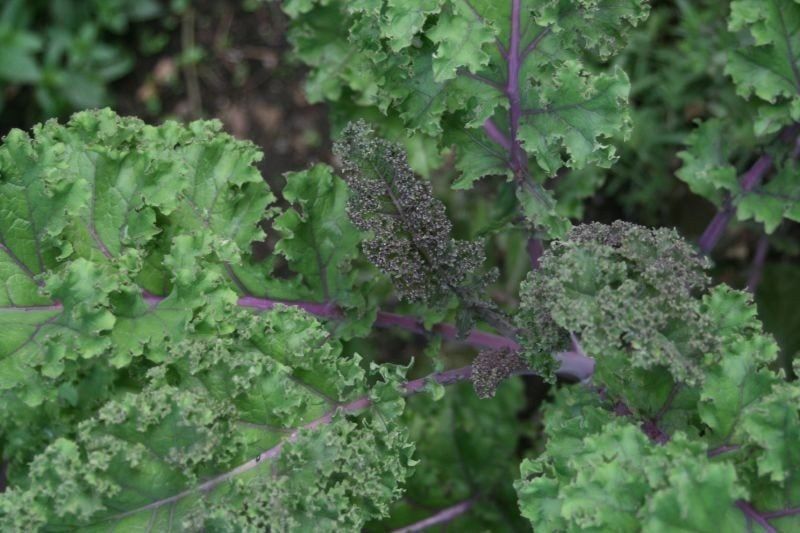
[
  {"x": 499, "y": 82},
  {"x": 156, "y": 374},
  {"x": 676, "y": 429}
]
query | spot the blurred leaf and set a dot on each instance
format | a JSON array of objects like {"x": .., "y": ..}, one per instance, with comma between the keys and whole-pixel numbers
[{"x": 777, "y": 297}]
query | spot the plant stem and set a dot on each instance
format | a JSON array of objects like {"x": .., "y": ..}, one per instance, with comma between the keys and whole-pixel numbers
[
  {"x": 667, "y": 403},
  {"x": 723, "y": 449},
  {"x": 442, "y": 517},
  {"x": 754, "y": 516},
  {"x": 3, "y": 480},
  {"x": 574, "y": 365},
  {"x": 496, "y": 135},
  {"x": 749, "y": 180},
  {"x": 480, "y": 339},
  {"x": 512, "y": 90},
  {"x": 190, "y": 67},
  {"x": 782, "y": 513},
  {"x": 757, "y": 268},
  {"x": 535, "y": 251}
]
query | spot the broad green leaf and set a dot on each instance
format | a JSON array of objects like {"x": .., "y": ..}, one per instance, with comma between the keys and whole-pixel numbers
[
  {"x": 442, "y": 68},
  {"x": 237, "y": 431},
  {"x": 638, "y": 449},
  {"x": 776, "y": 200},
  {"x": 464, "y": 445},
  {"x": 709, "y": 171},
  {"x": 706, "y": 161},
  {"x": 320, "y": 243},
  {"x": 739, "y": 379},
  {"x": 599, "y": 476},
  {"x": 402, "y": 20},
  {"x": 460, "y": 37},
  {"x": 774, "y": 424},
  {"x": 766, "y": 63},
  {"x": 577, "y": 114},
  {"x": 94, "y": 214}
]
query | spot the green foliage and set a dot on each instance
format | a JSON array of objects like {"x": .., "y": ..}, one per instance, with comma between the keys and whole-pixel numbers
[
  {"x": 319, "y": 223},
  {"x": 613, "y": 478},
  {"x": 676, "y": 64},
  {"x": 466, "y": 449},
  {"x": 648, "y": 445},
  {"x": 409, "y": 232},
  {"x": 759, "y": 46},
  {"x": 708, "y": 171},
  {"x": 160, "y": 368},
  {"x": 129, "y": 377},
  {"x": 196, "y": 447},
  {"x": 765, "y": 64},
  {"x": 586, "y": 286},
  {"x": 99, "y": 210},
  {"x": 445, "y": 67},
  {"x": 66, "y": 52}
]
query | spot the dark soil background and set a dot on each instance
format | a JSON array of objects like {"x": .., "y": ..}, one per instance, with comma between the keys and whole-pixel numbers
[{"x": 229, "y": 62}]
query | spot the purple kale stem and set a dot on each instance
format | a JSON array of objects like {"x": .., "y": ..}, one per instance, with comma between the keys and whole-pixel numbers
[
  {"x": 477, "y": 338},
  {"x": 535, "y": 251},
  {"x": 512, "y": 89},
  {"x": 673, "y": 393},
  {"x": 573, "y": 365},
  {"x": 325, "y": 310},
  {"x": 442, "y": 517},
  {"x": 781, "y": 513},
  {"x": 749, "y": 180},
  {"x": 757, "y": 268},
  {"x": 448, "y": 377},
  {"x": 723, "y": 449},
  {"x": 713, "y": 233},
  {"x": 649, "y": 427},
  {"x": 754, "y": 516},
  {"x": 496, "y": 135}
]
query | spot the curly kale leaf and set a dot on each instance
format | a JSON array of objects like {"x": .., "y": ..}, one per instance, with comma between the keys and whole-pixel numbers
[
  {"x": 118, "y": 239},
  {"x": 627, "y": 292},
  {"x": 320, "y": 245},
  {"x": 95, "y": 216},
  {"x": 653, "y": 455},
  {"x": 602, "y": 474},
  {"x": 499, "y": 81},
  {"x": 467, "y": 452},
  {"x": 410, "y": 234},
  {"x": 672, "y": 86},
  {"x": 709, "y": 171},
  {"x": 234, "y": 431},
  {"x": 766, "y": 64}
]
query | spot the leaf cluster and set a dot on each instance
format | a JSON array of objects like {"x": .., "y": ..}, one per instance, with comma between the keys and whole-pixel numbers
[
  {"x": 410, "y": 234},
  {"x": 445, "y": 70},
  {"x": 627, "y": 292},
  {"x": 758, "y": 46},
  {"x": 136, "y": 390},
  {"x": 685, "y": 424}
]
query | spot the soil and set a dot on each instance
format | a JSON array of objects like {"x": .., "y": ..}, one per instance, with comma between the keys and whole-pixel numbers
[{"x": 244, "y": 76}]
